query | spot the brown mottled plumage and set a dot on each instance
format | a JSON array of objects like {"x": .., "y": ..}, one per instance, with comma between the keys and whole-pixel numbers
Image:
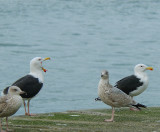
[
  {"x": 10, "y": 103},
  {"x": 113, "y": 96}
]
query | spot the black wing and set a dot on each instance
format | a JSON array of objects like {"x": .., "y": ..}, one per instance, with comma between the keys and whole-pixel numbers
[
  {"x": 5, "y": 91},
  {"x": 29, "y": 84},
  {"x": 129, "y": 84},
  {"x": 98, "y": 99}
]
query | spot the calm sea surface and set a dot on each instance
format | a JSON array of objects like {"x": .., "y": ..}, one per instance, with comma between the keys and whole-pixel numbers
[{"x": 82, "y": 37}]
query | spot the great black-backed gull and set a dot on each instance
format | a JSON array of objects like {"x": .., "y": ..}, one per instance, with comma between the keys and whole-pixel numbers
[
  {"x": 32, "y": 82},
  {"x": 113, "y": 96},
  {"x": 10, "y": 103},
  {"x": 135, "y": 84}
]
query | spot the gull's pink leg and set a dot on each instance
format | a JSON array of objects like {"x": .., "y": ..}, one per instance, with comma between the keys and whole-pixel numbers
[
  {"x": 112, "y": 118},
  {"x": 25, "y": 107},
  {"x": 7, "y": 122},
  {"x": 1, "y": 126},
  {"x": 134, "y": 109},
  {"x": 7, "y": 125},
  {"x": 28, "y": 110}
]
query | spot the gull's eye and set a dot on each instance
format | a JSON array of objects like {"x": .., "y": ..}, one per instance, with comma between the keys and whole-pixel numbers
[
  {"x": 39, "y": 59},
  {"x": 15, "y": 90},
  {"x": 141, "y": 66}
]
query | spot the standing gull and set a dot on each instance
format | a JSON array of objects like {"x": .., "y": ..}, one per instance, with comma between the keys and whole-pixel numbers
[
  {"x": 10, "y": 103},
  {"x": 32, "y": 82},
  {"x": 134, "y": 85},
  {"x": 113, "y": 96}
]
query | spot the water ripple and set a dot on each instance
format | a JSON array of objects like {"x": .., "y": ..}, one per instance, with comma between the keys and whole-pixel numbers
[{"x": 13, "y": 45}]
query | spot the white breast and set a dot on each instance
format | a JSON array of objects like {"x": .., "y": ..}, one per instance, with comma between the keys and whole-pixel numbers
[{"x": 139, "y": 90}]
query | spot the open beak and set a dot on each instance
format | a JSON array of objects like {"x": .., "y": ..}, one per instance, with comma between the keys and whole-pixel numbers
[
  {"x": 48, "y": 58},
  {"x": 149, "y": 68}
]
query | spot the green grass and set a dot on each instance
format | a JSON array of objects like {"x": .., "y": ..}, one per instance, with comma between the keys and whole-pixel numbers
[{"x": 147, "y": 120}]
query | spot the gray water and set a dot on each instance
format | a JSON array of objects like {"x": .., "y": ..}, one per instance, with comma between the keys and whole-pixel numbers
[{"x": 82, "y": 37}]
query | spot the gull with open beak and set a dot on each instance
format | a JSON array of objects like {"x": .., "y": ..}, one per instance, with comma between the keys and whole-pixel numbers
[{"x": 32, "y": 82}]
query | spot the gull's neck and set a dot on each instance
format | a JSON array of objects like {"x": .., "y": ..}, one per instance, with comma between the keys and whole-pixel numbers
[
  {"x": 37, "y": 73},
  {"x": 140, "y": 74},
  {"x": 105, "y": 82}
]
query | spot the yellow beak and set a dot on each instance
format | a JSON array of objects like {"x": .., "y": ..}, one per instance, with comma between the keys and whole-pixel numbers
[
  {"x": 149, "y": 68},
  {"x": 48, "y": 58}
]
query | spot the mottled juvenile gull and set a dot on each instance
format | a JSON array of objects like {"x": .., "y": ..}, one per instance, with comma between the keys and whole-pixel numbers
[
  {"x": 10, "y": 103},
  {"x": 32, "y": 82},
  {"x": 113, "y": 96}
]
